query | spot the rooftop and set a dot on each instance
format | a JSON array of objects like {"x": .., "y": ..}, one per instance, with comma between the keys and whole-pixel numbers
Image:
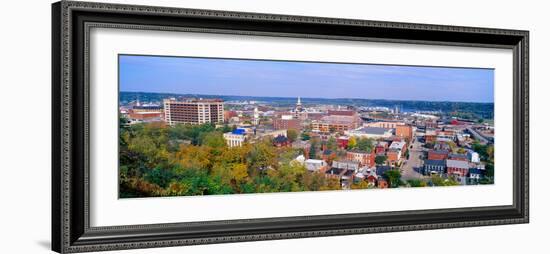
[
  {"x": 314, "y": 161},
  {"x": 194, "y": 100},
  {"x": 457, "y": 155},
  {"x": 435, "y": 162},
  {"x": 372, "y": 130},
  {"x": 397, "y": 145},
  {"x": 345, "y": 164},
  {"x": 335, "y": 171},
  {"x": 147, "y": 107},
  {"x": 339, "y": 119},
  {"x": 341, "y": 112},
  {"x": 439, "y": 151},
  {"x": 280, "y": 139},
  {"x": 239, "y": 131},
  {"x": 457, "y": 164},
  {"x": 476, "y": 171},
  {"x": 327, "y": 152}
]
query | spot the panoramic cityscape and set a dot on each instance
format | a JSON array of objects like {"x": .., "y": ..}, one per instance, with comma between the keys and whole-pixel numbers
[{"x": 200, "y": 126}]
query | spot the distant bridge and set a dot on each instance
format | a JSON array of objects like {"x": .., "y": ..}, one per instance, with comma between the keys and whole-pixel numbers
[{"x": 483, "y": 140}]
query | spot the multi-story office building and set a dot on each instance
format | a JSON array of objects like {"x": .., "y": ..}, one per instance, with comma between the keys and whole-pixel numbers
[
  {"x": 339, "y": 123},
  {"x": 286, "y": 123},
  {"x": 193, "y": 111}
]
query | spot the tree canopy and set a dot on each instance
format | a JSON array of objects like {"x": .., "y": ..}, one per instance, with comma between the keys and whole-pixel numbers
[{"x": 161, "y": 160}]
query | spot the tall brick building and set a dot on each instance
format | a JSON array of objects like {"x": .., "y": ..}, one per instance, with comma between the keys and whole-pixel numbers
[
  {"x": 286, "y": 124},
  {"x": 193, "y": 111}
]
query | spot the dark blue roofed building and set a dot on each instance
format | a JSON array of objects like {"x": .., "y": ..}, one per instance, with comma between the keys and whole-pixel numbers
[{"x": 281, "y": 141}]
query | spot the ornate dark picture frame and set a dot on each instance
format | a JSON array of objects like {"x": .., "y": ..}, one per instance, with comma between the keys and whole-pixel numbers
[{"x": 71, "y": 22}]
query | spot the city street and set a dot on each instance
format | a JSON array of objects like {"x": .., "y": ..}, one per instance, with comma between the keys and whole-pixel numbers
[{"x": 408, "y": 168}]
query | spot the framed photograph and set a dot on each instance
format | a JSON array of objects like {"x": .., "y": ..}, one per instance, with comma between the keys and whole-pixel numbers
[{"x": 182, "y": 126}]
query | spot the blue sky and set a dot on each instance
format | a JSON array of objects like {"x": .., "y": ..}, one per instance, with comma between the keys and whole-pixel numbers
[{"x": 305, "y": 79}]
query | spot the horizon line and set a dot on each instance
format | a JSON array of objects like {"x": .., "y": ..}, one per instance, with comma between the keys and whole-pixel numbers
[{"x": 308, "y": 97}]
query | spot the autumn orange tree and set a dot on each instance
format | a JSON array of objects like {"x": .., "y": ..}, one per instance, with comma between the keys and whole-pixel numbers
[{"x": 161, "y": 160}]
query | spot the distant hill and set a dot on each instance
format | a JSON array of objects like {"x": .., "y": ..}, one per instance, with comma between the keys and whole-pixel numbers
[{"x": 485, "y": 110}]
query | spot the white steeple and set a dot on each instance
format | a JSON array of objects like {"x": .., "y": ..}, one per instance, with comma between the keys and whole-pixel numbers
[{"x": 299, "y": 103}]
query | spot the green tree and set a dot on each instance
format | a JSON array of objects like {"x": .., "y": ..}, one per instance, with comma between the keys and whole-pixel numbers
[
  {"x": 490, "y": 169},
  {"x": 261, "y": 157},
  {"x": 160, "y": 177},
  {"x": 481, "y": 150},
  {"x": 292, "y": 135},
  {"x": 416, "y": 183},
  {"x": 313, "y": 181},
  {"x": 239, "y": 172},
  {"x": 380, "y": 159},
  {"x": 332, "y": 184},
  {"x": 305, "y": 136},
  {"x": 215, "y": 141},
  {"x": 226, "y": 128},
  {"x": 490, "y": 150},
  {"x": 394, "y": 178},
  {"x": 365, "y": 144},
  {"x": 331, "y": 144},
  {"x": 440, "y": 181},
  {"x": 313, "y": 150},
  {"x": 358, "y": 185}
]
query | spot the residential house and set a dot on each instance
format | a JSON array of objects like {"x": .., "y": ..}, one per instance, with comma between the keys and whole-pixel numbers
[
  {"x": 473, "y": 156},
  {"x": 315, "y": 165},
  {"x": 342, "y": 142},
  {"x": 346, "y": 164},
  {"x": 281, "y": 141},
  {"x": 364, "y": 158}
]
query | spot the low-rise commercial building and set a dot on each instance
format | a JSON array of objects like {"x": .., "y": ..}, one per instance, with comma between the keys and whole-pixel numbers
[
  {"x": 346, "y": 164},
  {"x": 315, "y": 165},
  {"x": 370, "y": 132},
  {"x": 436, "y": 167},
  {"x": 457, "y": 167}
]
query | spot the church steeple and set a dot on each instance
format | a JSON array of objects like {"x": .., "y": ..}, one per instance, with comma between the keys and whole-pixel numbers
[{"x": 299, "y": 103}]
